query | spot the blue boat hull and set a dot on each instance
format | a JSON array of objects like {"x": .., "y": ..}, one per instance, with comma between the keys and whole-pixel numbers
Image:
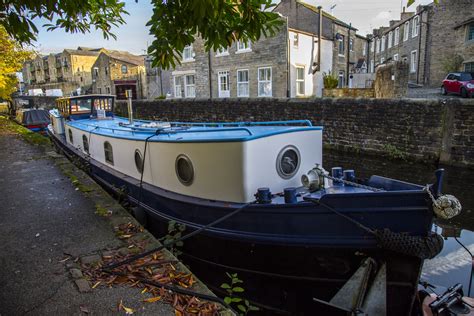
[{"x": 296, "y": 251}]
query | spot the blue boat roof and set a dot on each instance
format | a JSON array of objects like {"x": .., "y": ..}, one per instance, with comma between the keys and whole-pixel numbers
[{"x": 189, "y": 132}]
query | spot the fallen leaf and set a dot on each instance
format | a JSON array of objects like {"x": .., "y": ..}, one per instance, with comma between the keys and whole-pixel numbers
[
  {"x": 84, "y": 309},
  {"x": 96, "y": 285},
  {"x": 37, "y": 235},
  {"x": 152, "y": 299},
  {"x": 65, "y": 259},
  {"x": 128, "y": 310}
]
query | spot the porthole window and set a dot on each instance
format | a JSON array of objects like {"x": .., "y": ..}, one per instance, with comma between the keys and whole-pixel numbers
[
  {"x": 138, "y": 161},
  {"x": 85, "y": 144},
  {"x": 184, "y": 170},
  {"x": 70, "y": 136},
  {"x": 288, "y": 162},
  {"x": 109, "y": 154}
]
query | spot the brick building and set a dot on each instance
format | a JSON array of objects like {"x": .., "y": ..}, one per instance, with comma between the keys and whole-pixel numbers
[
  {"x": 279, "y": 66},
  {"x": 427, "y": 40},
  {"x": 68, "y": 71},
  {"x": 114, "y": 72}
]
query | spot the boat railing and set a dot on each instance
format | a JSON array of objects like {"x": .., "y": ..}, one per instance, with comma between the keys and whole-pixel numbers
[{"x": 164, "y": 130}]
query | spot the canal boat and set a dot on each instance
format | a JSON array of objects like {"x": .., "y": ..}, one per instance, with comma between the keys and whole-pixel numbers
[
  {"x": 36, "y": 120},
  {"x": 295, "y": 225}
]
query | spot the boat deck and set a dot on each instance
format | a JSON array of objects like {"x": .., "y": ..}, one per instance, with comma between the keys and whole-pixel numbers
[{"x": 189, "y": 132}]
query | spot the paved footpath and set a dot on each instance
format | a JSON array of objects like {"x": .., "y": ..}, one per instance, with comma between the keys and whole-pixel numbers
[{"x": 43, "y": 219}]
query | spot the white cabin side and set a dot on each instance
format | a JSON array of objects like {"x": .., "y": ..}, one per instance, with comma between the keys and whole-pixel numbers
[{"x": 223, "y": 171}]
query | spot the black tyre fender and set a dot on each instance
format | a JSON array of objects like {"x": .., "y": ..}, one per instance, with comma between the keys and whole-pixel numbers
[{"x": 463, "y": 93}]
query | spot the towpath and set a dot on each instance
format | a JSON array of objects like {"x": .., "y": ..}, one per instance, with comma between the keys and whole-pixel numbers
[{"x": 48, "y": 227}]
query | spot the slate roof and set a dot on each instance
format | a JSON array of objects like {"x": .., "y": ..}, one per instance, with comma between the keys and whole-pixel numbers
[
  {"x": 325, "y": 14},
  {"x": 126, "y": 57}
]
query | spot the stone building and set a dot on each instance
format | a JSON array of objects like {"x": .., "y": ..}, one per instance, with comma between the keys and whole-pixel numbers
[
  {"x": 158, "y": 81},
  {"x": 68, "y": 71},
  {"x": 285, "y": 65},
  {"x": 114, "y": 72},
  {"x": 427, "y": 40}
]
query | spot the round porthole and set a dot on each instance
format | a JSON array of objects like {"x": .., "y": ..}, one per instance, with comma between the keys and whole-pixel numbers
[
  {"x": 288, "y": 162},
  {"x": 184, "y": 170},
  {"x": 70, "y": 136},
  {"x": 138, "y": 161},
  {"x": 85, "y": 143}
]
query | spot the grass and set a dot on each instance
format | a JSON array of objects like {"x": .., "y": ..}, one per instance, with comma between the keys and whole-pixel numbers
[{"x": 28, "y": 135}]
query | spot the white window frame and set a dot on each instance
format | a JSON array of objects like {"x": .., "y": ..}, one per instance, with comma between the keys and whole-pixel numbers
[
  {"x": 372, "y": 45},
  {"x": 416, "y": 26},
  {"x": 406, "y": 31},
  {"x": 377, "y": 45},
  {"x": 382, "y": 59},
  {"x": 397, "y": 36},
  {"x": 396, "y": 57},
  {"x": 351, "y": 44},
  {"x": 243, "y": 83},
  {"x": 264, "y": 81},
  {"x": 413, "y": 61},
  {"x": 300, "y": 81},
  {"x": 188, "y": 53},
  {"x": 296, "y": 40},
  {"x": 222, "y": 52},
  {"x": 341, "y": 42},
  {"x": 189, "y": 88},
  {"x": 341, "y": 80},
  {"x": 364, "y": 49},
  {"x": 243, "y": 47},
  {"x": 221, "y": 92},
  {"x": 177, "y": 87},
  {"x": 390, "y": 39},
  {"x": 372, "y": 66},
  {"x": 382, "y": 48}
]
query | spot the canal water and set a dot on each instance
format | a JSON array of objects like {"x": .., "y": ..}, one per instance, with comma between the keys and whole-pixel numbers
[{"x": 453, "y": 264}]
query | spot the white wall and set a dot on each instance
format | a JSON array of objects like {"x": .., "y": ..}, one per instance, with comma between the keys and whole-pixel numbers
[{"x": 304, "y": 55}]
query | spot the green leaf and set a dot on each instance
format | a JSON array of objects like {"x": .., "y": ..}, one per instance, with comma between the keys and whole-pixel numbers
[
  {"x": 225, "y": 286},
  {"x": 253, "y": 308},
  {"x": 227, "y": 300},
  {"x": 238, "y": 289},
  {"x": 236, "y": 299},
  {"x": 242, "y": 308}
]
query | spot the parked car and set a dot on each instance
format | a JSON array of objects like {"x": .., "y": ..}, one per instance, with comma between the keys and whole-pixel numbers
[{"x": 461, "y": 83}]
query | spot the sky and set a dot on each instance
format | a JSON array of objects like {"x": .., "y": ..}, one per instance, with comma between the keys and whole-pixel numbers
[{"x": 133, "y": 37}]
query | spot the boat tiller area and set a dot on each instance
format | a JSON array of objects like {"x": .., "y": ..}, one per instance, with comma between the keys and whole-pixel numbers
[{"x": 360, "y": 295}]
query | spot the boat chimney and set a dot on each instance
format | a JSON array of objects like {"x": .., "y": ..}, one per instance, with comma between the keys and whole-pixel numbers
[{"x": 128, "y": 94}]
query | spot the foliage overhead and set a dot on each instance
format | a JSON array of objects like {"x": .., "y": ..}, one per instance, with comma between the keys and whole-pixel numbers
[
  {"x": 12, "y": 56},
  {"x": 17, "y": 16},
  {"x": 410, "y": 2},
  {"x": 175, "y": 24}
]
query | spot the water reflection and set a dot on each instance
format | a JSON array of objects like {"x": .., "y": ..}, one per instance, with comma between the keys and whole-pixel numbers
[{"x": 453, "y": 264}]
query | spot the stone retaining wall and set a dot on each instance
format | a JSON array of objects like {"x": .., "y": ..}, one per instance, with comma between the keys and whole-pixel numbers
[
  {"x": 420, "y": 129},
  {"x": 349, "y": 93}
]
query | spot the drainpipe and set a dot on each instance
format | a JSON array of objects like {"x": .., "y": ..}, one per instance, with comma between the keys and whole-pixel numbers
[
  {"x": 348, "y": 53},
  {"x": 210, "y": 74},
  {"x": 320, "y": 31},
  {"x": 161, "y": 80},
  {"x": 288, "y": 60}
]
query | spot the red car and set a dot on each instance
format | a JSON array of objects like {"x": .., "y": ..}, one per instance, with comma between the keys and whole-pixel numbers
[{"x": 460, "y": 83}]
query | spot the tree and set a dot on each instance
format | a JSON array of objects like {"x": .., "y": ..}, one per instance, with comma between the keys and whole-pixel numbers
[
  {"x": 12, "y": 56},
  {"x": 410, "y": 2},
  {"x": 174, "y": 23}
]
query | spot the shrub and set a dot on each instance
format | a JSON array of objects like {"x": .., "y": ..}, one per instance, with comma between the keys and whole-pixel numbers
[{"x": 330, "y": 81}]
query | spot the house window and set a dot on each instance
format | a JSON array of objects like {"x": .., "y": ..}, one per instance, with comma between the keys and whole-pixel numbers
[
  {"x": 382, "y": 48},
  {"x": 242, "y": 83},
  {"x": 469, "y": 67},
  {"x": 390, "y": 39},
  {"x": 351, "y": 44},
  {"x": 296, "y": 38},
  {"x": 222, "y": 52},
  {"x": 188, "y": 53},
  {"x": 341, "y": 45},
  {"x": 99, "y": 90},
  {"x": 470, "y": 32},
  {"x": 413, "y": 61},
  {"x": 397, "y": 36},
  {"x": 372, "y": 45},
  {"x": 300, "y": 81},
  {"x": 107, "y": 90},
  {"x": 416, "y": 26},
  {"x": 377, "y": 45},
  {"x": 189, "y": 87},
  {"x": 265, "y": 82},
  {"x": 223, "y": 84},
  {"x": 406, "y": 31},
  {"x": 243, "y": 46},
  {"x": 96, "y": 72},
  {"x": 382, "y": 59},
  {"x": 124, "y": 69},
  {"x": 395, "y": 57},
  {"x": 177, "y": 87},
  {"x": 108, "y": 153},
  {"x": 372, "y": 66},
  {"x": 364, "y": 49},
  {"x": 106, "y": 71},
  {"x": 340, "y": 79}
]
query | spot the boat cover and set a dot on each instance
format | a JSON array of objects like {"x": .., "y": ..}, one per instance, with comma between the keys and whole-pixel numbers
[{"x": 33, "y": 117}]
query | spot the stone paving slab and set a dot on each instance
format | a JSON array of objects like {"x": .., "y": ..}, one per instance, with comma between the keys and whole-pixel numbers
[{"x": 47, "y": 217}]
